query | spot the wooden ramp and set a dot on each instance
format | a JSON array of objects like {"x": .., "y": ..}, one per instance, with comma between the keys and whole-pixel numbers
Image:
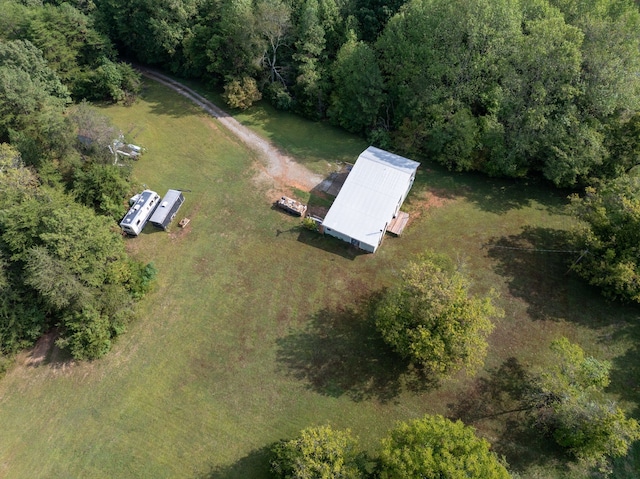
[{"x": 398, "y": 223}]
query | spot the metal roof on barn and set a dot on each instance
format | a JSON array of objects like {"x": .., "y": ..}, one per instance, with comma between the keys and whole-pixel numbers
[{"x": 370, "y": 195}]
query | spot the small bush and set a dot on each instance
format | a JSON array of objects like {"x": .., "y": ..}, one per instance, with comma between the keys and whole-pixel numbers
[
  {"x": 241, "y": 93},
  {"x": 309, "y": 224},
  {"x": 142, "y": 277},
  {"x": 279, "y": 97}
]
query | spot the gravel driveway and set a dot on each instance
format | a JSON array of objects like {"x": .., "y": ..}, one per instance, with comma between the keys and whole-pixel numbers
[{"x": 277, "y": 167}]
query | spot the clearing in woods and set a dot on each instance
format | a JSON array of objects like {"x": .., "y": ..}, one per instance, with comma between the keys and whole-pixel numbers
[{"x": 257, "y": 328}]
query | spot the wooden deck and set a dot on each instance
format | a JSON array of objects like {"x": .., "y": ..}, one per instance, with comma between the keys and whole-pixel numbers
[{"x": 398, "y": 223}]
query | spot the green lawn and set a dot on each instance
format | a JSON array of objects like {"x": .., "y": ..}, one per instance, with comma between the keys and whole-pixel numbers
[{"x": 256, "y": 329}]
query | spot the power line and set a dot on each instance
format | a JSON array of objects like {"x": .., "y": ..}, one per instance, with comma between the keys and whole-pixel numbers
[{"x": 534, "y": 250}]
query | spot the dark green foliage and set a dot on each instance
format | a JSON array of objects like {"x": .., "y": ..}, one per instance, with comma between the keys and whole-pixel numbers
[
  {"x": 279, "y": 96},
  {"x": 22, "y": 319},
  {"x": 142, "y": 277},
  {"x": 61, "y": 264},
  {"x": 87, "y": 333},
  {"x": 318, "y": 453},
  {"x": 358, "y": 93},
  {"x": 151, "y": 30},
  {"x": 610, "y": 237},
  {"x": 103, "y": 188},
  {"x": 430, "y": 319},
  {"x": 373, "y": 15},
  {"x": 623, "y": 145},
  {"x": 53, "y": 280},
  {"x": 513, "y": 88},
  {"x": 32, "y": 100},
  {"x": 569, "y": 405},
  {"x": 116, "y": 81},
  {"x": 437, "y": 448},
  {"x": 81, "y": 56},
  {"x": 311, "y": 86},
  {"x": 64, "y": 263}
]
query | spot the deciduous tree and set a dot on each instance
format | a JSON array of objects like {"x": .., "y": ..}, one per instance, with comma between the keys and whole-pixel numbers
[
  {"x": 569, "y": 405},
  {"x": 431, "y": 319},
  {"x": 436, "y": 448},
  {"x": 319, "y": 453},
  {"x": 358, "y": 93},
  {"x": 610, "y": 236}
]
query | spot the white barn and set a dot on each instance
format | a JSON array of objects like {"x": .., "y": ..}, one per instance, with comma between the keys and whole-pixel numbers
[{"x": 370, "y": 198}]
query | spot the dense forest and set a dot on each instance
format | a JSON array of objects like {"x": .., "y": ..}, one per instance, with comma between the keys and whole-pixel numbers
[
  {"x": 511, "y": 88},
  {"x": 529, "y": 88},
  {"x": 62, "y": 259}
]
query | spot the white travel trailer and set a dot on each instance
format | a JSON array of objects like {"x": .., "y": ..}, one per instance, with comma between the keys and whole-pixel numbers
[{"x": 140, "y": 212}]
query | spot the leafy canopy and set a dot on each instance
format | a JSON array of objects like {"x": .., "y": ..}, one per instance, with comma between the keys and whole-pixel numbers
[
  {"x": 569, "y": 404},
  {"x": 318, "y": 453},
  {"x": 436, "y": 448},
  {"x": 610, "y": 237},
  {"x": 430, "y": 318}
]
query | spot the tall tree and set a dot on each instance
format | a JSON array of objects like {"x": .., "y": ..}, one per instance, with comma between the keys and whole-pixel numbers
[
  {"x": 310, "y": 85},
  {"x": 150, "y": 30},
  {"x": 22, "y": 318},
  {"x": 373, "y": 15},
  {"x": 358, "y": 94},
  {"x": 32, "y": 100},
  {"x": 516, "y": 88},
  {"x": 444, "y": 63},
  {"x": 87, "y": 285},
  {"x": 235, "y": 48},
  {"x": 273, "y": 24},
  {"x": 610, "y": 237}
]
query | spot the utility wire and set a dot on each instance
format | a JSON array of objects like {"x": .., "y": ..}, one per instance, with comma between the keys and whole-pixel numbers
[{"x": 534, "y": 250}]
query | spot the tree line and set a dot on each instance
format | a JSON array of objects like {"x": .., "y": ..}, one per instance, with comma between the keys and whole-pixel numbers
[
  {"x": 511, "y": 88},
  {"x": 63, "y": 263}
]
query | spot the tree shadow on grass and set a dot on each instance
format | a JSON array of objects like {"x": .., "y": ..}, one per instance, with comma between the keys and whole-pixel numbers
[
  {"x": 47, "y": 353},
  {"x": 625, "y": 369},
  {"x": 494, "y": 195},
  {"x": 536, "y": 264},
  {"x": 341, "y": 353},
  {"x": 503, "y": 391},
  {"x": 255, "y": 465},
  {"x": 500, "y": 399}
]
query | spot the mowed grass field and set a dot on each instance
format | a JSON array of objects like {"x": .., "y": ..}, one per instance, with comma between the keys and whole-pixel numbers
[{"x": 257, "y": 329}]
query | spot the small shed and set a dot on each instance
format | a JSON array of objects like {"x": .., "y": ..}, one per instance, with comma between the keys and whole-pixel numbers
[
  {"x": 370, "y": 198},
  {"x": 140, "y": 212},
  {"x": 168, "y": 209}
]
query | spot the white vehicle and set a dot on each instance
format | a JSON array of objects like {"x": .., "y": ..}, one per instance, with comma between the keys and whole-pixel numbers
[{"x": 140, "y": 212}]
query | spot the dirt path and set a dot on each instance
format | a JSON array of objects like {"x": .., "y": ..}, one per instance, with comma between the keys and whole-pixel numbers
[{"x": 280, "y": 169}]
